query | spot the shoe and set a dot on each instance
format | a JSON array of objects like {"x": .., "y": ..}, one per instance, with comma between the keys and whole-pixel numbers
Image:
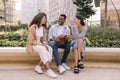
[
  {"x": 50, "y": 73},
  {"x": 38, "y": 69},
  {"x": 65, "y": 66},
  {"x": 76, "y": 70},
  {"x": 61, "y": 69},
  {"x": 80, "y": 65}
]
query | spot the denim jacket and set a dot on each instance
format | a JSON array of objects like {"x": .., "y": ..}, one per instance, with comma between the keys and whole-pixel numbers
[{"x": 54, "y": 30}]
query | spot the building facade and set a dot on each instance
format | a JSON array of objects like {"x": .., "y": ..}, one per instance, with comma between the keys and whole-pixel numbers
[
  {"x": 9, "y": 10},
  {"x": 112, "y": 16},
  {"x": 57, "y": 7},
  {"x": 30, "y": 8},
  {"x": 1, "y": 12}
]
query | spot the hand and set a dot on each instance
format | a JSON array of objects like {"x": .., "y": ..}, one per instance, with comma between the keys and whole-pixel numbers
[
  {"x": 60, "y": 38},
  {"x": 42, "y": 38},
  {"x": 45, "y": 45},
  {"x": 52, "y": 39},
  {"x": 47, "y": 48},
  {"x": 67, "y": 37},
  {"x": 75, "y": 25},
  {"x": 88, "y": 41}
]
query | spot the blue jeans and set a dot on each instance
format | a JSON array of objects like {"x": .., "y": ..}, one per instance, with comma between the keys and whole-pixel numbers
[{"x": 65, "y": 45}]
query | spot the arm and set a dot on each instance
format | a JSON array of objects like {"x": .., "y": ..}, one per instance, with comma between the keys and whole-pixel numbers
[
  {"x": 76, "y": 34},
  {"x": 43, "y": 38},
  {"x": 31, "y": 35}
]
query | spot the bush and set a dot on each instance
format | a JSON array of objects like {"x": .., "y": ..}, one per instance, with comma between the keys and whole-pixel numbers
[
  {"x": 111, "y": 39},
  {"x": 10, "y": 27},
  {"x": 13, "y": 39},
  {"x": 94, "y": 34}
]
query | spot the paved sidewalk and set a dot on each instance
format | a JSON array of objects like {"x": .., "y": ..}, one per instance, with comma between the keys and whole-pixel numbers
[{"x": 93, "y": 71}]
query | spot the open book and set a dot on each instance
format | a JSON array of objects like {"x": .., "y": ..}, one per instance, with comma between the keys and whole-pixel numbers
[{"x": 62, "y": 38}]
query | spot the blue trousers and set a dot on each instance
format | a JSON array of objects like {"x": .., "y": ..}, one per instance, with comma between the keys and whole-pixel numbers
[{"x": 65, "y": 45}]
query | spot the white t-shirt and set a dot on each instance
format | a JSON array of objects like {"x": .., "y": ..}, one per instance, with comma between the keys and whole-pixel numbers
[{"x": 60, "y": 29}]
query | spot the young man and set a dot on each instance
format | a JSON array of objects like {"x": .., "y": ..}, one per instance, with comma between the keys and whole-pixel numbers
[{"x": 55, "y": 31}]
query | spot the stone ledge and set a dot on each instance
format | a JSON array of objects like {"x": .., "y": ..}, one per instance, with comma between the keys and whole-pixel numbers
[{"x": 18, "y": 54}]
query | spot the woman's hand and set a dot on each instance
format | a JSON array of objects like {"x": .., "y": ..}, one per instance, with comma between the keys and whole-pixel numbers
[
  {"x": 42, "y": 38},
  {"x": 45, "y": 45},
  {"x": 75, "y": 25},
  {"x": 88, "y": 41},
  {"x": 52, "y": 39},
  {"x": 68, "y": 37}
]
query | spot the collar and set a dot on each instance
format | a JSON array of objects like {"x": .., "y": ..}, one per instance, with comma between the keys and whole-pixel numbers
[{"x": 63, "y": 25}]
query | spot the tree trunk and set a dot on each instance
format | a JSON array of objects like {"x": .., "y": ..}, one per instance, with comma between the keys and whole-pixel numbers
[
  {"x": 4, "y": 3},
  {"x": 105, "y": 21}
]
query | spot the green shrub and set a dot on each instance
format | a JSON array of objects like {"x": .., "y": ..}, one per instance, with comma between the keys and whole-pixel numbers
[
  {"x": 11, "y": 27},
  {"x": 94, "y": 34},
  {"x": 111, "y": 39},
  {"x": 13, "y": 39}
]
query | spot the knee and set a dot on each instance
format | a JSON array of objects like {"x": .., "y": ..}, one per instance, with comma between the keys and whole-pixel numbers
[
  {"x": 80, "y": 41},
  {"x": 52, "y": 43}
]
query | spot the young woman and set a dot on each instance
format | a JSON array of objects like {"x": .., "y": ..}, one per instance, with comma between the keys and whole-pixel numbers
[
  {"x": 78, "y": 31},
  {"x": 36, "y": 41}
]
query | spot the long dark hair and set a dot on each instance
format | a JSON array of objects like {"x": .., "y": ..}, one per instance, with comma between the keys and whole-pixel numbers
[
  {"x": 81, "y": 18},
  {"x": 37, "y": 19}
]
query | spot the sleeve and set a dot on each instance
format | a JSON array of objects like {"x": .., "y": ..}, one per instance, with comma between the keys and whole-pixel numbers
[
  {"x": 68, "y": 31},
  {"x": 31, "y": 36},
  {"x": 76, "y": 34}
]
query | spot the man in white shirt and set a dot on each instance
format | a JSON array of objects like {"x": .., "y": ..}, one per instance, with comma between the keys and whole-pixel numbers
[{"x": 55, "y": 31}]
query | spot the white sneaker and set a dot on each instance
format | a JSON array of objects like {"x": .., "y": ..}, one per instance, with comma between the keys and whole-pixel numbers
[
  {"x": 65, "y": 66},
  {"x": 38, "y": 69},
  {"x": 61, "y": 69},
  {"x": 50, "y": 73}
]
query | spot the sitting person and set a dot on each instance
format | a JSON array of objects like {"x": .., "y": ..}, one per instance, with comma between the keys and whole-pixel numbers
[
  {"x": 56, "y": 38},
  {"x": 78, "y": 44},
  {"x": 36, "y": 41}
]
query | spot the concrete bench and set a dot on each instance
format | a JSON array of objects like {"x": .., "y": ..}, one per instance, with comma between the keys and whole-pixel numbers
[{"x": 18, "y": 54}]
